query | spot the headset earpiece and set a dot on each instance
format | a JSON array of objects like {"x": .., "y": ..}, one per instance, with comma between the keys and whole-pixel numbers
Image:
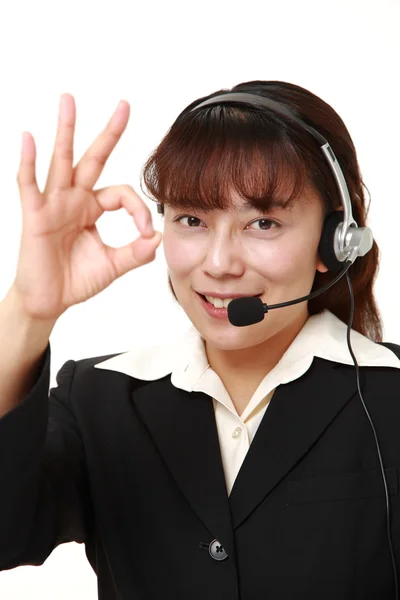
[
  {"x": 326, "y": 246},
  {"x": 359, "y": 241}
]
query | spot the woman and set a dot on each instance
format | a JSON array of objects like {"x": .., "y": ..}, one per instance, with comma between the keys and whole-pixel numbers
[{"x": 238, "y": 462}]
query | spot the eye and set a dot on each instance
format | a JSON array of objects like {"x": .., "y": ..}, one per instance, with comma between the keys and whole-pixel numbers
[
  {"x": 265, "y": 224},
  {"x": 192, "y": 221}
]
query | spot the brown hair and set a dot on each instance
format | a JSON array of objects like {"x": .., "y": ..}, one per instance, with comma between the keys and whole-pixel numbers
[{"x": 265, "y": 157}]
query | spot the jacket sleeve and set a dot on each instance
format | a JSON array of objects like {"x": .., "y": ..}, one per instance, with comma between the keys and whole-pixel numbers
[{"x": 44, "y": 493}]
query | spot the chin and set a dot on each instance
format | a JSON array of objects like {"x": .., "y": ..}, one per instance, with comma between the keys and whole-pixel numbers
[
  {"x": 234, "y": 343},
  {"x": 225, "y": 336},
  {"x": 222, "y": 335}
]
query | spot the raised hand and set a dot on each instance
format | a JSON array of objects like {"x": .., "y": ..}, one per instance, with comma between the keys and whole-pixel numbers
[{"x": 62, "y": 259}]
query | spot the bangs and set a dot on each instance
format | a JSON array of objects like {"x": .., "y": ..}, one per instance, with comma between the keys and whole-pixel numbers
[{"x": 212, "y": 154}]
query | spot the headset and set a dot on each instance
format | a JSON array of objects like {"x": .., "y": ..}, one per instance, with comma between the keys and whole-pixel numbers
[{"x": 341, "y": 242}]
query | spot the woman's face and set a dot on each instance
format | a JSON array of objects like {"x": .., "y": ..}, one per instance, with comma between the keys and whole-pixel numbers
[{"x": 244, "y": 252}]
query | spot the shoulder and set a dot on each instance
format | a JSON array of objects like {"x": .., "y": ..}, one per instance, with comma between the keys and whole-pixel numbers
[
  {"x": 142, "y": 362},
  {"x": 392, "y": 346}
]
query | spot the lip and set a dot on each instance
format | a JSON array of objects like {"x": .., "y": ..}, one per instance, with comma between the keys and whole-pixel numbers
[
  {"x": 225, "y": 296},
  {"x": 211, "y": 310}
]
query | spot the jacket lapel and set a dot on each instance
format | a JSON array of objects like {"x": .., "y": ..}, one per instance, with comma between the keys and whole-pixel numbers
[
  {"x": 297, "y": 416},
  {"x": 182, "y": 425}
]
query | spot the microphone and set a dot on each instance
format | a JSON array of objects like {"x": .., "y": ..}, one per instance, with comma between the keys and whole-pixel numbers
[{"x": 251, "y": 309}]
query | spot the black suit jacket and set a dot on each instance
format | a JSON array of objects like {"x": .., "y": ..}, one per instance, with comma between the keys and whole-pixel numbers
[{"x": 133, "y": 470}]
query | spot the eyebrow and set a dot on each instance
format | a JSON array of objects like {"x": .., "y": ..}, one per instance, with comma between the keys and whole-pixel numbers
[
  {"x": 245, "y": 207},
  {"x": 273, "y": 204}
]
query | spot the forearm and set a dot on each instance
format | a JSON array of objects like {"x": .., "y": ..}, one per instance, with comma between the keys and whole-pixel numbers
[{"x": 22, "y": 344}]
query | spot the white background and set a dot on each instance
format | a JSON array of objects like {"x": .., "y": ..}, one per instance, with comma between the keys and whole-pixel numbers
[{"x": 160, "y": 56}]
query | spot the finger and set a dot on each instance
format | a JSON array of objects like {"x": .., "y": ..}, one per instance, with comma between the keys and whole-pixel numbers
[
  {"x": 124, "y": 196},
  {"x": 61, "y": 166},
  {"x": 29, "y": 192},
  {"x": 89, "y": 168},
  {"x": 135, "y": 254}
]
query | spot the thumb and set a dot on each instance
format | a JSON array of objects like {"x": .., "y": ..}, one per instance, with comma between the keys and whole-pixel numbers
[{"x": 135, "y": 254}]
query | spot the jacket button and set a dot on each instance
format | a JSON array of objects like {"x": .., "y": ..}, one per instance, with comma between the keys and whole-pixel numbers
[{"x": 216, "y": 551}]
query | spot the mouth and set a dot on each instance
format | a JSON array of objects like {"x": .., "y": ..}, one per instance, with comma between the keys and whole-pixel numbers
[
  {"x": 234, "y": 297},
  {"x": 214, "y": 312},
  {"x": 219, "y": 310}
]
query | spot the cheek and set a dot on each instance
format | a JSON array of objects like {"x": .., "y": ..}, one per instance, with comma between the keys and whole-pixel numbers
[
  {"x": 286, "y": 260},
  {"x": 281, "y": 267},
  {"x": 181, "y": 255}
]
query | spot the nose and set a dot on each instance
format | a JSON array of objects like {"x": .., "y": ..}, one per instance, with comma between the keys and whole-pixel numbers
[{"x": 223, "y": 257}]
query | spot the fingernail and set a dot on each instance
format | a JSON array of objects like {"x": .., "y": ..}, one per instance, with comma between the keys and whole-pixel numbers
[
  {"x": 120, "y": 105},
  {"x": 24, "y": 139},
  {"x": 63, "y": 103}
]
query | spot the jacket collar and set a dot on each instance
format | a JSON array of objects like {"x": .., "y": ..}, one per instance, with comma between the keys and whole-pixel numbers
[{"x": 323, "y": 336}]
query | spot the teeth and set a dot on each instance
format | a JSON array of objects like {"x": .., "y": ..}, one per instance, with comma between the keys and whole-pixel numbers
[{"x": 218, "y": 302}]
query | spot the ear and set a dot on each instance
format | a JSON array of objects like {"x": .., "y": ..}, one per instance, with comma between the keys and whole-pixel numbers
[{"x": 320, "y": 266}]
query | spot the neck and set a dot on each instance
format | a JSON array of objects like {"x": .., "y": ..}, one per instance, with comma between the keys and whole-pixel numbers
[{"x": 242, "y": 371}]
